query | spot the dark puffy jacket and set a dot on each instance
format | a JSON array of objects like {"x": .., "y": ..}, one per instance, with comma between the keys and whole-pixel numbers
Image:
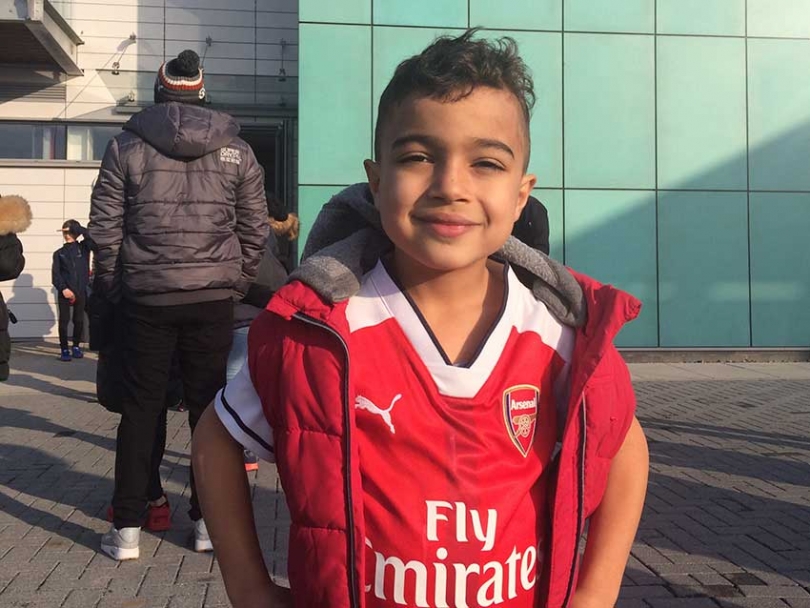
[
  {"x": 178, "y": 212},
  {"x": 271, "y": 276},
  {"x": 15, "y": 217},
  {"x": 71, "y": 265}
]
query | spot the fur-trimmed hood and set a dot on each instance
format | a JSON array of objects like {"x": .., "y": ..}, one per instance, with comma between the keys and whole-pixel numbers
[
  {"x": 347, "y": 240},
  {"x": 15, "y": 214}
]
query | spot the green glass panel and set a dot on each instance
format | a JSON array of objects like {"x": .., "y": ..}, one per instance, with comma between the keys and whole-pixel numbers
[
  {"x": 779, "y": 114},
  {"x": 779, "y": 18},
  {"x": 517, "y": 14},
  {"x": 701, "y": 113},
  {"x": 310, "y": 201},
  {"x": 552, "y": 200},
  {"x": 780, "y": 269},
  {"x": 335, "y": 11},
  {"x": 427, "y": 13},
  {"x": 335, "y": 103},
  {"x": 609, "y": 111},
  {"x": 610, "y": 235},
  {"x": 710, "y": 17},
  {"x": 703, "y": 269},
  {"x": 610, "y": 16}
]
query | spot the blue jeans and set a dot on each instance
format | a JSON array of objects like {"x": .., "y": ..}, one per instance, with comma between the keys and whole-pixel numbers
[{"x": 238, "y": 355}]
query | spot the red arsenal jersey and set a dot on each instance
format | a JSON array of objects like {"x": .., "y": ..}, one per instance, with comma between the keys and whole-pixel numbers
[{"x": 454, "y": 458}]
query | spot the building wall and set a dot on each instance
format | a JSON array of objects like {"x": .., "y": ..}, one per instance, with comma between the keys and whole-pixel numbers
[
  {"x": 241, "y": 65},
  {"x": 670, "y": 138}
]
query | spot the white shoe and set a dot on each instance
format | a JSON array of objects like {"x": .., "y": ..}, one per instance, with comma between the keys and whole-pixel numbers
[
  {"x": 202, "y": 542},
  {"x": 122, "y": 544}
]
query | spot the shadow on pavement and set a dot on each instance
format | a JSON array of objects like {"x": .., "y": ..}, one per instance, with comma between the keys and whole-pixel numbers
[
  {"x": 728, "y": 503},
  {"x": 34, "y": 366},
  {"x": 49, "y": 494},
  {"x": 778, "y": 467},
  {"x": 23, "y": 419}
]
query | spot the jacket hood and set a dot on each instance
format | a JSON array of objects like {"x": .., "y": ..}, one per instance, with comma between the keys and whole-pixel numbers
[
  {"x": 181, "y": 130},
  {"x": 347, "y": 240},
  {"x": 15, "y": 214}
]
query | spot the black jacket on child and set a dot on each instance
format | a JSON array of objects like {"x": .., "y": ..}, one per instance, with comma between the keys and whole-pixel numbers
[
  {"x": 71, "y": 265},
  {"x": 15, "y": 217}
]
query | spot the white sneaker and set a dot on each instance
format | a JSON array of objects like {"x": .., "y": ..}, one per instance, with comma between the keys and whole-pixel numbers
[
  {"x": 122, "y": 544},
  {"x": 202, "y": 542}
]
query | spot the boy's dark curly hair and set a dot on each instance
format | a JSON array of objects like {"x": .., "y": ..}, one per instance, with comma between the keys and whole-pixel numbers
[{"x": 451, "y": 68}]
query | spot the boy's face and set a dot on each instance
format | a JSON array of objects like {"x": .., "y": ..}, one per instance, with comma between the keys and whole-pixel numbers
[
  {"x": 450, "y": 183},
  {"x": 67, "y": 236}
]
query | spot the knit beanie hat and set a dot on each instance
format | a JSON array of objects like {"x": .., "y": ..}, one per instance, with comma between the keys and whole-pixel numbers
[{"x": 181, "y": 79}]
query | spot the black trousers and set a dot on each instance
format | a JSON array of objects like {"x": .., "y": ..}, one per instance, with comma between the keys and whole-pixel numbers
[
  {"x": 64, "y": 318},
  {"x": 201, "y": 334}
]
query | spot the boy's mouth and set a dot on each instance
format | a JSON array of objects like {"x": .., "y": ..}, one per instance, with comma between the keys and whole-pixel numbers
[{"x": 446, "y": 224}]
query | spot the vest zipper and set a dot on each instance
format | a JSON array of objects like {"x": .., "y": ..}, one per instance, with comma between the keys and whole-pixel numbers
[
  {"x": 581, "y": 498},
  {"x": 347, "y": 447}
]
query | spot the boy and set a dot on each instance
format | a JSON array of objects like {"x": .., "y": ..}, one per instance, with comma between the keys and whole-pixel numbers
[
  {"x": 71, "y": 275},
  {"x": 441, "y": 431}
]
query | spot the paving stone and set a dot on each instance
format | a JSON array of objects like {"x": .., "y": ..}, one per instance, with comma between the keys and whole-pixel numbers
[
  {"x": 83, "y": 598},
  {"x": 727, "y": 512},
  {"x": 775, "y": 591},
  {"x": 682, "y": 602},
  {"x": 645, "y": 591},
  {"x": 753, "y": 603}
]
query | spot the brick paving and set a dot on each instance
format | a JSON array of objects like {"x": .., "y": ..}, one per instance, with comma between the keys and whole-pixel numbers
[{"x": 727, "y": 521}]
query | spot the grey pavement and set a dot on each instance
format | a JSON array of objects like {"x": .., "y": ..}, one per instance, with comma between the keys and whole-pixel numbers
[{"x": 727, "y": 520}]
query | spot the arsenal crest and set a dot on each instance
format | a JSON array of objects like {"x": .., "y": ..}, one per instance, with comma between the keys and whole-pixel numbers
[{"x": 520, "y": 405}]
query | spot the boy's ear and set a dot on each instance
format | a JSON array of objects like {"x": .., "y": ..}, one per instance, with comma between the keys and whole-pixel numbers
[
  {"x": 373, "y": 175},
  {"x": 526, "y": 186}
]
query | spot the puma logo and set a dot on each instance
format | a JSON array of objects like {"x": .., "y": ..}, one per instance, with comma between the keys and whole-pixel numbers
[{"x": 362, "y": 403}]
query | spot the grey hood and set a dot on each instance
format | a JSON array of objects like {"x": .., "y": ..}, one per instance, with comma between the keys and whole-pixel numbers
[
  {"x": 181, "y": 130},
  {"x": 347, "y": 240}
]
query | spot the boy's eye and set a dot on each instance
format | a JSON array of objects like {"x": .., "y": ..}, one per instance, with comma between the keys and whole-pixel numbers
[
  {"x": 415, "y": 157},
  {"x": 489, "y": 164}
]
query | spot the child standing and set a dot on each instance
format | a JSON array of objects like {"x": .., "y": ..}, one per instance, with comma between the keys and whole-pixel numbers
[
  {"x": 442, "y": 431},
  {"x": 71, "y": 276},
  {"x": 271, "y": 276}
]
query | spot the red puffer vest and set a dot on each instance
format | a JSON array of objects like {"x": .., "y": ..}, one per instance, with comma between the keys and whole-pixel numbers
[{"x": 311, "y": 391}]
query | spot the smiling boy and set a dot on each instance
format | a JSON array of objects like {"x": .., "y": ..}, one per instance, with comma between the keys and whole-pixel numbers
[{"x": 442, "y": 431}]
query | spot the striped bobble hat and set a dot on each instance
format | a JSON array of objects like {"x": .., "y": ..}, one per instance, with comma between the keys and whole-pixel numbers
[{"x": 181, "y": 79}]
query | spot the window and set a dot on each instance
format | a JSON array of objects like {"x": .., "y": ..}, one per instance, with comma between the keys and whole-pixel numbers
[
  {"x": 88, "y": 142},
  {"x": 55, "y": 141},
  {"x": 32, "y": 141}
]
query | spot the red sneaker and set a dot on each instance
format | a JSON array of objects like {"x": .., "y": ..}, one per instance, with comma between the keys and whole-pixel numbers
[
  {"x": 158, "y": 519},
  {"x": 251, "y": 461}
]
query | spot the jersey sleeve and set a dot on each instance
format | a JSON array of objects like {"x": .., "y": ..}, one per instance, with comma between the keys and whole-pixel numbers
[{"x": 240, "y": 410}]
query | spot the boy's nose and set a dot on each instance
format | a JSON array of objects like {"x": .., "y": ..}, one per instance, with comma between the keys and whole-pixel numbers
[{"x": 449, "y": 182}]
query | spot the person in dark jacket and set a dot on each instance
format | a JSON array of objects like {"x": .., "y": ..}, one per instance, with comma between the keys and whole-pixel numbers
[
  {"x": 532, "y": 225},
  {"x": 15, "y": 217},
  {"x": 70, "y": 274},
  {"x": 180, "y": 219}
]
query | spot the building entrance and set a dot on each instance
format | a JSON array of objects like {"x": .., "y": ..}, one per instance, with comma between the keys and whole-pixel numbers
[{"x": 273, "y": 146}]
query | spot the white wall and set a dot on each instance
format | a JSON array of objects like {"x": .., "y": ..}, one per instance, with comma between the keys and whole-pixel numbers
[
  {"x": 54, "y": 195},
  {"x": 246, "y": 42}
]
